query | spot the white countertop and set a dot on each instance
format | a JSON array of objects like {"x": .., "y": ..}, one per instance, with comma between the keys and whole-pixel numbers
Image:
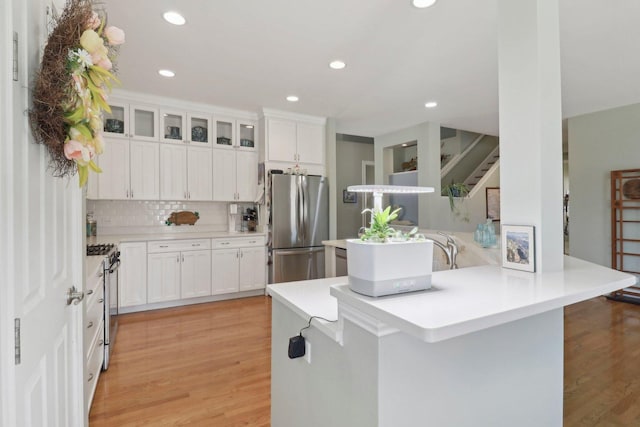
[
  {"x": 121, "y": 238},
  {"x": 461, "y": 301}
]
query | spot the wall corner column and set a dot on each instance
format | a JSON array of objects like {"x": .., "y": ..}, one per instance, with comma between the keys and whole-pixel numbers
[{"x": 531, "y": 123}]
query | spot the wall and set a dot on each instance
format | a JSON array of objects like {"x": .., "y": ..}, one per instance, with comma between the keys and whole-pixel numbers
[
  {"x": 349, "y": 157},
  {"x": 598, "y": 143},
  {"x": 144, "y": 216}
]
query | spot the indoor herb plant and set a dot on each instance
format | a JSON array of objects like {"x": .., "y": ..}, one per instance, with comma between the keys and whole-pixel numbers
[
  {"x": 380, "y": 229},
  {"x": 384, "y": 261},
  {"x": 456, "y": 192}
]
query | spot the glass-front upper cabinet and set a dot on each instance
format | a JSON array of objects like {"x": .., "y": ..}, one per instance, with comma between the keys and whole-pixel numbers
[
  {"x": 225, "y": 132},
  {"x": 143, "y": 122},
  {"x": 199, "y": 129},
  {"x": 116, "y": 123},
  {"x": 172, "y": 126},
  {"x": 247, "y": 134}
]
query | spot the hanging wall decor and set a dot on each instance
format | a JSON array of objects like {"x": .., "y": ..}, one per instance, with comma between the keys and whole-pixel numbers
[{"x": 71, "y": 88}]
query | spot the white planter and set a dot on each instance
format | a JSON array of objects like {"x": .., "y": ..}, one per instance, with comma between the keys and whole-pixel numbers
[{"x": 377, "y": 269}]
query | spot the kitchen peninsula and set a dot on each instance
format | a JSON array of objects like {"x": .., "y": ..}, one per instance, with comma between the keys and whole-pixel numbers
[{"x": 483, "y": 347}]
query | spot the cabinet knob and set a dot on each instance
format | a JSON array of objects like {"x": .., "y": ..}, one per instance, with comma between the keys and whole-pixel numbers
[
  {"x": 90, "y": 325},
  {"x": 101, "y": 300},
  {"x": 90, "y": 377},
  {"x": 90, "y": 291}
]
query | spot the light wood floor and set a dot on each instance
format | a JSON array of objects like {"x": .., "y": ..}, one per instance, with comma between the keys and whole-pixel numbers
[{"x": 209, "y": 365}]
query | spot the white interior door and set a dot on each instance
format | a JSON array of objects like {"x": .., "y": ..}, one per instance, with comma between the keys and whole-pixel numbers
[{"x": 42, "y": 250}]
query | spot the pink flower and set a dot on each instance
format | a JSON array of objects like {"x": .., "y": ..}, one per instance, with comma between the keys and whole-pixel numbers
[
  {"x": 74, "y": 150},
  {"x": 105, "y": 63},
  {"x": 94, "y": 22},
  {"x": 114, "y": 35}
]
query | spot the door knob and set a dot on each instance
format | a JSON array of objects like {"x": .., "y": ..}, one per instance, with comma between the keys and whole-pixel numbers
[{"x": 74, "y": 296}]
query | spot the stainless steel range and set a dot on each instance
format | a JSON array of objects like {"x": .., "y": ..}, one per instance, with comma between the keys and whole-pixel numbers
[{"x": 110, "y": 265}]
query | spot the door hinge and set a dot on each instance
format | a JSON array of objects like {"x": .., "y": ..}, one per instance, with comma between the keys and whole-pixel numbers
[
  {"x": 15, "y": 56},
  {"x": 16, "y": 335}
]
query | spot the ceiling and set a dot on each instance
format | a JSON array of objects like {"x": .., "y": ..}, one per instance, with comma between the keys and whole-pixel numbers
[{"x": 250, "y": 54}]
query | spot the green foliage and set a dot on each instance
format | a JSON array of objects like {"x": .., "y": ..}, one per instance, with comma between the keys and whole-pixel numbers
[
  {"x": 453, "y": 191},
  {"x": 380, "y": 230}
]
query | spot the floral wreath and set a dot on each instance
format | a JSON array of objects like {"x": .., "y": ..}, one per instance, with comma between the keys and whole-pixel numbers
[{"x": 71, "y": 89}]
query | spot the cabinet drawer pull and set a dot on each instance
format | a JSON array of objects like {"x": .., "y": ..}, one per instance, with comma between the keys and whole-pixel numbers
[
  {"x": 195, "y": 244},
  {"x": 164, "y": 246},
  {"x": 253, "y": 241},
  {"x": 100, "y": 343},
  {"x": 101, "y": 300},
  {"x": 90, "y": 377},
  {"x": 224, "y": 243},
  {"x": 90, "y": 325},
  {"x": 90, "y": 291}
]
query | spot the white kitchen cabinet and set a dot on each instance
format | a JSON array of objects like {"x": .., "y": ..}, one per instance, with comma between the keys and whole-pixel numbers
[
  {"x": 128, "y": 120},
  {"x": 143, "y": 122},
  {"x": 310, "y": 141},
  {"x": 144, "y": 170},
  {"x": 173, "y": 126},
  {"x": 173, "y": 172},
  {"x": 246, "y": 131},
  {"x": 185, "y": 173},
  {"x": 93, "y": 335},
  {"x": 179, "y": 269},
  {"x": 113, "y": 182},
  {"x": 252, "y": 268},
  {"x": 199, "y": 173},
  {"x": 225, "y": 128},
  {"x": 235, "y": 175},
  {"x": 132, "y": 277},
  {"x": 129, "y": 170},
  {"x": 163, "y": 273},
  {"x": 116, "y": 123},
  {"x": 199, "y": 129},
  {"x": 238, "y": 264},
  {"x": 225, "y": 265},
  {"x": 195, "y": 274},
  {"x": 294, "y": 141}
]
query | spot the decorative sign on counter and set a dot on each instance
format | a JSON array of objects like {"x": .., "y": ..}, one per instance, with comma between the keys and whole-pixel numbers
[{"x": 183, "y": 217}]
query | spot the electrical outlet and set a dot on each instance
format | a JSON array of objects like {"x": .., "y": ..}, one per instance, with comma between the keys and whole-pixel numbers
[{"x": 307, "y": 351}]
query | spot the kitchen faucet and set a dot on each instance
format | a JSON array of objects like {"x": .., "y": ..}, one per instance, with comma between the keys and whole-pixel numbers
[{"x": 450, "y": 249}]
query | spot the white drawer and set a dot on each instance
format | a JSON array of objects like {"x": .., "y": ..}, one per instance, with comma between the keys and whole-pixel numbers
[
  {"x": 238, "y": 242},
  {"x": 94, "y": 366},
  {"x": 178, "y": 245},
  {"x": 93, "y": 318}
]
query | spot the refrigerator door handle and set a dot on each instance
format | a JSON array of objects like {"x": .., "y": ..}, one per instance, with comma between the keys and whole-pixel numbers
[{"x": 299, "y": 210}]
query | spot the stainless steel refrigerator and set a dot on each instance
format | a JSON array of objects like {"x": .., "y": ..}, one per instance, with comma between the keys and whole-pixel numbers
[{"x": 298, "y": 223}]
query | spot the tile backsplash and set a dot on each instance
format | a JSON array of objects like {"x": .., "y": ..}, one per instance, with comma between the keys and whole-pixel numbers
[{"x": 146, "y": 216}]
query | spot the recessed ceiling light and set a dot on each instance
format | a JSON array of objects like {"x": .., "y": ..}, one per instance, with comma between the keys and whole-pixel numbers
[
  {"x": 405, "y": 144},
  {"x": 166, "y": 73},
  {"x": 337, "y": 65},
  {"x": 292, "y": 98},
  {"x": 174, "y": 18},
  {"x": 421, "y": 4},
  {"x": 249, "y": 126},
  {"x": 431, "y": 104}
]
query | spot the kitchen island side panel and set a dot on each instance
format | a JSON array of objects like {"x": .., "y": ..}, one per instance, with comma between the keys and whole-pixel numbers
[
  {"x": 337, "y": 388},
  {"x": 504, "y": 376}
]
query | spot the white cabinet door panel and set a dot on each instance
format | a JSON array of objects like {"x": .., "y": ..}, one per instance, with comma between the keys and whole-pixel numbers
[
  {"x": 224, "y": 175},
  {"x": 281, "y": 137},
  {"x": 144, "y": 170},
  {"x": 252, "y": 268},
  {"x": 199, "y": 173},
  {"x": 113, "y": 182},
  {"x": 247, "y": 175},
  {"x": 196, "y": 274},
  {"x": 225, "y": 271},
  {"x": 163, "y": 277},
  {"x": 173, "y": 172},
  {"x": 310, "y": 138},
  {"x": 132, "y": 275}
]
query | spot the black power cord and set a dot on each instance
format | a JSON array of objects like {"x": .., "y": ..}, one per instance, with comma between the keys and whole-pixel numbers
[{"x": 297, "y": 343}]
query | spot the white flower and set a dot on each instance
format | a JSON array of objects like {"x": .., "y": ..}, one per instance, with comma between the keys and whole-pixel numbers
[{"x": 84, "y": 58}]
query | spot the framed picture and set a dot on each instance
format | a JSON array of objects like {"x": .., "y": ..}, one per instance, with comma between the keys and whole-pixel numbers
[
  {"x": 349, "y": 196},
  {"x": 518, "y": 247},
  {"x": 493, "y": 203}
]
